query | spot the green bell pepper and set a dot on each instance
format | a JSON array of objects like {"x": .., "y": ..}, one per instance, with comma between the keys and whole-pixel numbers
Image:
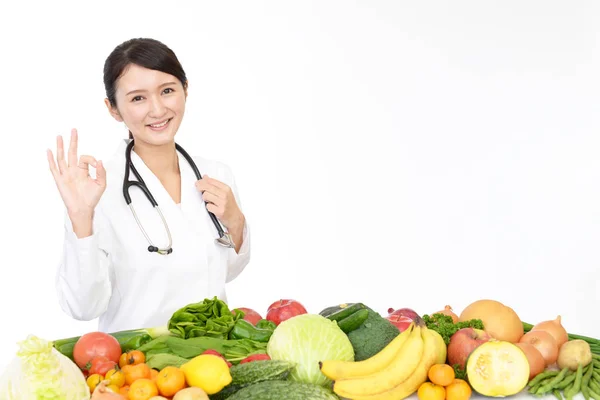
[{"x": 243, "y": 329}]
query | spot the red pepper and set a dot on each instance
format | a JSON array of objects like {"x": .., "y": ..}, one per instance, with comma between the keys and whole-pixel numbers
[
  {"x": 100, "y": 365},
  {"x": 255, "y": 357},
  {"x": 216, "y": 353}
]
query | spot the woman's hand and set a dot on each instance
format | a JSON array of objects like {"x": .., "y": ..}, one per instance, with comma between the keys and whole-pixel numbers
[
  {"x": 221, "y": 202},
  {"x": 78, "y": 190}
]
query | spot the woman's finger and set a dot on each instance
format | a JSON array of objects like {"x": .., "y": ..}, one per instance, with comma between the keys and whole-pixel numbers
[
  {"x": 60, "y": 155},
  {"x": 214, "y": 182},
  {"x": 84, "y": 163},
  {"x": 212, "y": 198},
  {"x": 52, "y": 165},
  {"x": 100, "y": 174},
  {"x": 204, "y": 185},
  {"x": 73, "y": 148}
]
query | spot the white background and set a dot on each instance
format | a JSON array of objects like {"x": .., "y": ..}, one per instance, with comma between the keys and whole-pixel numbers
[{"x": 399, "y": 154}]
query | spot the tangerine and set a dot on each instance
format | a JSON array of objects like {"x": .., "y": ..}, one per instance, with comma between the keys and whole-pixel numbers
[
  {"x": 135, "y": 372},
  {"x": 441, "y": 374},
  {"x": 458, "y": 390},
  {"x": 170, "y": 380},
  {"x": 431, "y": 391},
  {"x": 142, "y": 389}
]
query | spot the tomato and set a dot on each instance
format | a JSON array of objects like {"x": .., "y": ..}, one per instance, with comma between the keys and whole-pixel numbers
[
  {"x": 255, "y": 357},
  {"x": 95, "y": 344},
  {"x": 131, "y": 358},
  {"x": 115, "y": 377},
  {"x": 101, "y": 365}
]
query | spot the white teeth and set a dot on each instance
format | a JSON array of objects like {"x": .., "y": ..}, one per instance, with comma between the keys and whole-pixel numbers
[{"x": 160, "y": 125}]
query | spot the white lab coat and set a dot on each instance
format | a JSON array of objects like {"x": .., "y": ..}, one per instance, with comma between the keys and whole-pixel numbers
[{"x": 112, "y": 276}]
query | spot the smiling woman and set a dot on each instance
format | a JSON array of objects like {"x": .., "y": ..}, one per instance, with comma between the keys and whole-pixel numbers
[{"x": 111, "y": 268}]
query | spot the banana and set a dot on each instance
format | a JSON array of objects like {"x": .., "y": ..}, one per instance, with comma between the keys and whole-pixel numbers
[
  {"x": 410, "y": 385},
  {"x": 441, "y": 346},
  {"x": 336, "y": 369},
  {"x": 403, "y": 365}
]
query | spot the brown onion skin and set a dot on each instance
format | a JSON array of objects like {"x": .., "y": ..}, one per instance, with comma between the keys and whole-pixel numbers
[
  {"x": 448, "y": 311},
  {"x": 537, "y": 363},
  {"x": 555, "y": 328},
  {"x": 544, "y": 342}
]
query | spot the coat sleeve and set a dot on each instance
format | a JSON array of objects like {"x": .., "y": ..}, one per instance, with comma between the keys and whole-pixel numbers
[
  {"x": 83, "y": 279},
  {"x": 237, "y": 262}
]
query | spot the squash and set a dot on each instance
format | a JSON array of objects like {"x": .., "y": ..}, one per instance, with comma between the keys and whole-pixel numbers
[
  {"x": 499, "y": 321},
  {"x": 497, "y": 369}
]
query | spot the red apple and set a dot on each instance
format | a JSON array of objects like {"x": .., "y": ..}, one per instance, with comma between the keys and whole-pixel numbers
[
  {"x": 463, "y": 342},
  {"x": 282, "y": 310},
  {"x": 404, "y": 312},
  {"x": 249, "y": 315},
  {"x": 400, "y": 321}
]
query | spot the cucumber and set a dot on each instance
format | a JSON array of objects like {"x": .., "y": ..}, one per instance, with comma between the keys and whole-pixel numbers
[
  {"x": 353, "y": 321},
  {"x": 284, "y": 390},
  {"x": 344, "y": 312},
  {"x": 330, "y": 310},
  {"x": 243, "y": 375}
]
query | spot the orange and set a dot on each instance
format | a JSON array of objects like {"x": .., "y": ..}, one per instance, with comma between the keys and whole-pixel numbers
[
  {"x": 441, "y": 374},
  {"x": 170, "y": 380},
  {"x": 135, "y": 372},
  {"x": 142, "y": 389},
  {"x": 431, "y": 391},
  {"x": 124, "y": 390},
  {"x": 153, "y": 374},
  {"x": 458, "y": 390}
]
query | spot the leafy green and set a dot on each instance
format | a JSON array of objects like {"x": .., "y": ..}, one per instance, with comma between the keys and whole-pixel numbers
[
  {"x": 211, "y": 318},
  {"x": 39, "y": 371},
  {"x": 444, "y": 325},
  {"x": 233, "y": 350},
  {"x": 307, "y": 339}
]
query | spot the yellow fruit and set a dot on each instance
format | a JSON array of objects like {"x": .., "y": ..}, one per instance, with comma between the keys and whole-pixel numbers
[
  {"x": 93, "y": 381},
  {"x": 413, "y": 382},
  {"x": 337, "y": 369},
  {"x": 208, "y": 372},
  {"x": 392, "y": 375}
]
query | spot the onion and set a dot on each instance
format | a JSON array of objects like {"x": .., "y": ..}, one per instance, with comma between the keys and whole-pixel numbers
[
  {"x": 448, "y": 311},
  {"x": 544, "y": 342},
  {"x": 537, "y": 364},
  {"x": 555, "y": 328}
]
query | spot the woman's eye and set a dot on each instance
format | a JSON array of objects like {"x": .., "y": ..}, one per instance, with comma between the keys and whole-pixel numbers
[
  {"x": 169, "y": 90},
  {"x": 136, "y": 98}
]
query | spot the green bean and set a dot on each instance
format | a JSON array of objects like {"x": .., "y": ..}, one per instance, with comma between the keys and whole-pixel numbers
[
  {"x": 557, "y": 394},
  {"x": 578, "y": 379},
  {"x": 567, "y": 391},
  {"x": 596, "y": 375},
  {"x": 541, "y": 376},
  {"x": 594, "y": 386},
  {"x": 585, "y": 388},
  {"x": 594, "y": 395},
  {"x": 596, "y": 356},
  {"x": 547, "y": 387},
  {"x": 565, "y": 382}
]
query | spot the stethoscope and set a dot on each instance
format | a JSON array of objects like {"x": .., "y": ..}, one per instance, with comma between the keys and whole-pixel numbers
[{"x": 224, "y": 237}]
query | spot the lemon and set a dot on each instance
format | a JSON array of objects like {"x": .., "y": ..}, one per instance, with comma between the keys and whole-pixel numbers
[{"x": 208, "y": 372}]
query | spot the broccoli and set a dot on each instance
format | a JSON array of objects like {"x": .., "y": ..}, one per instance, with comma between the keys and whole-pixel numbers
[{"x": 372, "y": 336}]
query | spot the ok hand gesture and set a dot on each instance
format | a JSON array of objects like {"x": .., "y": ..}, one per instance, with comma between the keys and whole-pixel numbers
[{"x": 79, "y": 191}]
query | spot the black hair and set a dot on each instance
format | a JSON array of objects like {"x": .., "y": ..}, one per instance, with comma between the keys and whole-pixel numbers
[{"x": 145, "y": 52}]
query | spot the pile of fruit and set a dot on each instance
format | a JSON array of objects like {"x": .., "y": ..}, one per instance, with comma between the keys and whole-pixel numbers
[{"x": 207, "y": 351}]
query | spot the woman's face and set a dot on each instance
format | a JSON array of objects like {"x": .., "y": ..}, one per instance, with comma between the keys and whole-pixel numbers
[{"x": 150, "y": 103}]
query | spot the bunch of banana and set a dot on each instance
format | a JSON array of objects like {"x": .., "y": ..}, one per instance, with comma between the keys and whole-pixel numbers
[{"x": 395, "y": 372}]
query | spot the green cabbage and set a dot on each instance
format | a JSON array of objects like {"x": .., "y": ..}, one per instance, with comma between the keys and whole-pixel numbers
[
  {"x": 39, "y": 371},
  {"x": 307, "y": 339}
]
